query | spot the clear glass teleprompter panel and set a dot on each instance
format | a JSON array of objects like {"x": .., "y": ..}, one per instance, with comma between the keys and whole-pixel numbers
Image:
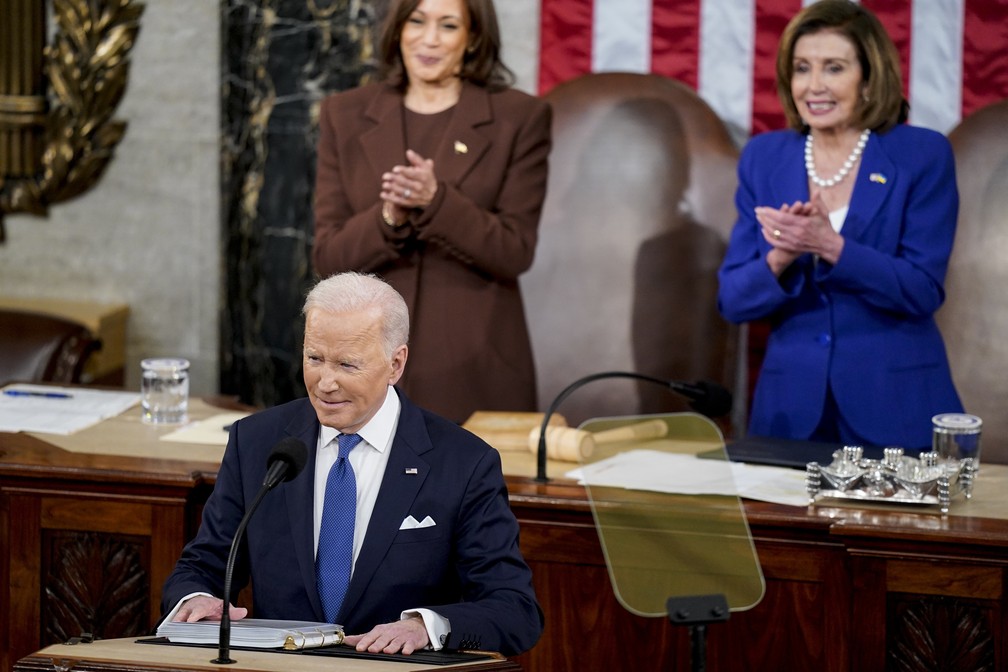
[{"x": 667, "y": 513}]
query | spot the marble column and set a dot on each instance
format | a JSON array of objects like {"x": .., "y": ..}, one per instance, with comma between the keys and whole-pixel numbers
[{"x": 281, "y": 57}]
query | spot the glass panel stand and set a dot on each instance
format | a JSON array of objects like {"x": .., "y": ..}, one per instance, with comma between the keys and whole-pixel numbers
[{"x": 670, "y": 523}]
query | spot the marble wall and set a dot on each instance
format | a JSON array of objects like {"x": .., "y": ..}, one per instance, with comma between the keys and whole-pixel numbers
[
  {"x": 281, "y": 57},
  {"x": 160, "y": 232},
  {"x": 148, "y": 234}
]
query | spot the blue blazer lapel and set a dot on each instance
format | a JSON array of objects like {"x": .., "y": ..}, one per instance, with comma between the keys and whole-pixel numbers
[
  {"x": 397, "y": 493},
  {"x": 875, "y": 179},
  {"x": 784, "y": 178},
  {"x": 299, "y": 496},
  {"x": 786, "y": 174}
]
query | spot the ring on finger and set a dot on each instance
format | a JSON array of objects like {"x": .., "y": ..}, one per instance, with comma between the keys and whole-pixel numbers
[
  {"x": 776, "y": 233},
  {"x": 406, "y": 192}
]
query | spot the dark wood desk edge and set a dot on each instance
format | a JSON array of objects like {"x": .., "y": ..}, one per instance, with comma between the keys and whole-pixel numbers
[
  {"x": 23, "y": 456},
  {"x": 29, "y": 457},
  {"x": 563, "y": 497},
  {"x": 37, "y": 662}
]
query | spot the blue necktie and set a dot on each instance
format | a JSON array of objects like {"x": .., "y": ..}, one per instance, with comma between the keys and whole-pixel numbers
[{"x": 334, "y": 559}]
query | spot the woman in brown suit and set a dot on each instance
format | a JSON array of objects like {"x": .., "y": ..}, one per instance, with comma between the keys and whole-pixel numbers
[{"x": 433, "y": 179}]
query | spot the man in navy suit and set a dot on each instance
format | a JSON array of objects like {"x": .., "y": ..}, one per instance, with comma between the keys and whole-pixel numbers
[{"x": 435, "y": 544}]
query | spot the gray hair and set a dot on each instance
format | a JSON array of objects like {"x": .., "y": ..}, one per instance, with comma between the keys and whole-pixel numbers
[{"x": 346, "y": 292}]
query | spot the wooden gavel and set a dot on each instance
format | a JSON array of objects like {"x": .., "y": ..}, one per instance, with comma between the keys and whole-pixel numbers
[{"x": 570, "y": 444}]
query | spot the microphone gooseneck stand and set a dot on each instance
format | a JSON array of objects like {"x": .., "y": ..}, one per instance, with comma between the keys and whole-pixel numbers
[
  {"x": 707, "y": 398},
  {"x": 285, "y": 462},
  {"x": 224, "y": 645}
]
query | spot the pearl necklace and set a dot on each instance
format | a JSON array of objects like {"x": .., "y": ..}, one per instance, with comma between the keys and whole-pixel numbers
[{"x": 846, "y": 168}]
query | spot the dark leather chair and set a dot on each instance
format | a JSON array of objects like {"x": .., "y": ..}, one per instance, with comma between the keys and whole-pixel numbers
[
  {"x": 974, "y": 319},
  {"x": 638, "y": 210},
  {"x": 43, "y": 348}
]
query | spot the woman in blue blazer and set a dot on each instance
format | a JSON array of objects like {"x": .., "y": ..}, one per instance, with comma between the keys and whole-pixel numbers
[{"x": 845, "y": 226}]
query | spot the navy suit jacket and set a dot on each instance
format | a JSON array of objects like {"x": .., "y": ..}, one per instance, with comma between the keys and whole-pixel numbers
[
  {"x": 467, "y": 567},
  {"x": 864, "y": 326}
]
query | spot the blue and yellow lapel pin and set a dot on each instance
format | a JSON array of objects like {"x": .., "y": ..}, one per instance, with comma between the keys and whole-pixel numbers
[{"x": 878, "y": 177}]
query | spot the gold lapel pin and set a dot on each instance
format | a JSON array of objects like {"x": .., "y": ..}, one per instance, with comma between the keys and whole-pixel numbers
[
  {"x": 460, "y": 147},
  {"x": 877, "y": 177}
]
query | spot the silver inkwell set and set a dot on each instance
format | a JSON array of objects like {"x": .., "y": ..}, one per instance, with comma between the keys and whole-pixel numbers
[{"x": 933, "y": 478}]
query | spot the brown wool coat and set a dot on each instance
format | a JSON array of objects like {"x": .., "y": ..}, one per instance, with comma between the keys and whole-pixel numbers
[{"x": 456, "y": 262}]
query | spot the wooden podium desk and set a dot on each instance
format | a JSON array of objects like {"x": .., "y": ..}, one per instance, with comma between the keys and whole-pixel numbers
[
  {"x": 91, "y": 525},
  {"x": 869, "y": 588},
  {"x": 125, "y": 655}
]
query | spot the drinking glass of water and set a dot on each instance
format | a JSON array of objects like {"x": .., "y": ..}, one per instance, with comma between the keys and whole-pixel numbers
[{"x": 164, "y": 390}]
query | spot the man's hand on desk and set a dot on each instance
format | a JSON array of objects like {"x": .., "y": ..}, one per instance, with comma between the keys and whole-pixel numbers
[
  {"x": 405, "y": 636},
  {"x": 204, "y": 608}
]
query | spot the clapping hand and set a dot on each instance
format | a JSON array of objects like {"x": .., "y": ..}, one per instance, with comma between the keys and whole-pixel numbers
[
  {"x": 410, "y": 186},
  {"x": 796, "y": 229}
]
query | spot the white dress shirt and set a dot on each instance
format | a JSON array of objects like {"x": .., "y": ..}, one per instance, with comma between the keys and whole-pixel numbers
[{"x": 368, "y": 459}]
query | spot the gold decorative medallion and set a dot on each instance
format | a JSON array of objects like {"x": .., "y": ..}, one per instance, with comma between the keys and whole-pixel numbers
[{"x": 86, "y": 69}]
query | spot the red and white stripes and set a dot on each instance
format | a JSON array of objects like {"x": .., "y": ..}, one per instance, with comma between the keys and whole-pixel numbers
[{"x": 952, "y": 51}]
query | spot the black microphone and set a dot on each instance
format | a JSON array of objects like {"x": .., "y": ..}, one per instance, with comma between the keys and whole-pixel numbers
[
  {"x": 706, "y": 397},
  {"x": 285, "y": 462}
]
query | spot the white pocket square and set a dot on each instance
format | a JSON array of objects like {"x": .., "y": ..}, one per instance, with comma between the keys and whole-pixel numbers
[{"x": 411, "y": 523}]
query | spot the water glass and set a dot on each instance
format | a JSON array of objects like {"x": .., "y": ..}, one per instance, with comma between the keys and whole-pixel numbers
[
  {"x": 164, "y": 390},
  {"x": 956, "y": 436}
]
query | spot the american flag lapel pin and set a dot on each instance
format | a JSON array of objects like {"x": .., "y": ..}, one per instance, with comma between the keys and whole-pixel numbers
[
  {"x": 878, "y": 177},
  {"x": 411, "y": 471}
]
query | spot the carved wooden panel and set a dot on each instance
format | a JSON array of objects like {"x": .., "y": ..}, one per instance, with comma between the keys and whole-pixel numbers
[
  {"x": 941, "y": 635},
  {"x": 94, "y": 582}
]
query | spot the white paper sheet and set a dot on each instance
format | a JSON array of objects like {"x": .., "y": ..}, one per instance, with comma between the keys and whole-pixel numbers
[
  {"x": 213, "y": 431},
  {"x": 59, "y": 410},
  {"x": 659, "y": 471}
]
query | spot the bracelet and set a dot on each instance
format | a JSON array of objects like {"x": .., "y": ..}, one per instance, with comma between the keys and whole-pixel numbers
[{"x": 388, "y": 218}]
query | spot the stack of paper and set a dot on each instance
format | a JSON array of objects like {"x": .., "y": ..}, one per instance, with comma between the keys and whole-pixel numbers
[
  {"x": 256, "y": 633},
  {"x": 59, "y": 410}
]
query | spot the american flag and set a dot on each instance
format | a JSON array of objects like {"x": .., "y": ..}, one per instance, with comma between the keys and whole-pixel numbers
[{"x": 953, "y": 52}]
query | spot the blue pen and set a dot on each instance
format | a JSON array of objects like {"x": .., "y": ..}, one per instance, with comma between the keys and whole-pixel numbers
[{"x": 45, "y": 395}]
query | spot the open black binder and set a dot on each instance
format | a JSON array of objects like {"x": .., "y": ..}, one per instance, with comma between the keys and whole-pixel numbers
[{"x": 794, "y": 453}]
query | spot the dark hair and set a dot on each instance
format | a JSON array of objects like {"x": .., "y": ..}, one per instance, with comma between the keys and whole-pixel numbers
[
  {"x": 883, "y": 105},
  {"x": 481, "y": 64}
]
